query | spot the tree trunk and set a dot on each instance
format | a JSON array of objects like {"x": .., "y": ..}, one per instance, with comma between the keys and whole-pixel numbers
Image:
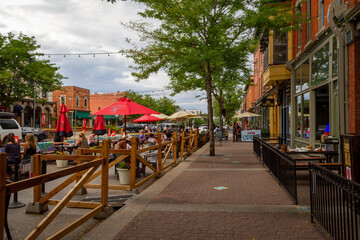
[{"x": 210, "y": 108}]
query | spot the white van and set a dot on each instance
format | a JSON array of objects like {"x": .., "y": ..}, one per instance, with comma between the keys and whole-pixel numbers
[{"x": 9, "y": 125}]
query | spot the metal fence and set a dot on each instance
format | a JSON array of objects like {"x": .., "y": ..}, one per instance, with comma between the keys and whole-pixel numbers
[
  {"x": 257, "y": 147},
  {"x": 335, "y": 203},
  {"x": 282, "y": 166}
]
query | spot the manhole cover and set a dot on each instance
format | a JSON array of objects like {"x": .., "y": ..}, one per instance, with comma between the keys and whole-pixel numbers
[
  {"x": 226, "y": 158},
  {"x": 235, "y": 162}
]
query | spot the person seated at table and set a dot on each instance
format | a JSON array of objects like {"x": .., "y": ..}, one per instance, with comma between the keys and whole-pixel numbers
[
  {"x": 82, "y": 142},
  {"x": 30, "y": 146},
  {"x": 142, "y": 138},
  {"x": 122, "y": 144},
  {"x": 164, "y": 137},
  {"x": 12, "y": 148},
  {"x": 92, "y": 141},
  {"x": 152, "y": 139}
]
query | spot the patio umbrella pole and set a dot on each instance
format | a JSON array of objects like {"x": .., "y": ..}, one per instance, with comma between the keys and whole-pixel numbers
[{"x": 125, "y": 125}]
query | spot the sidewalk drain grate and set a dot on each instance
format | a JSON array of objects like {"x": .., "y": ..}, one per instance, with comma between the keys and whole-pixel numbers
[
  {"x": 226, "y": 158},
  {"x": 235, "y": 162}
]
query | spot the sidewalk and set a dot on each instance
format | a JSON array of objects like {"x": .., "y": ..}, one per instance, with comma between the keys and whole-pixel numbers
[{"x": 185, "y": 204}]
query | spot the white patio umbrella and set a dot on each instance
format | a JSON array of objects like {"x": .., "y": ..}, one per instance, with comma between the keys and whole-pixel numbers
[
  {"x": 182, "y": 114},
  {"x": 161, "y": 115},
  {"x": 248, "y": 114}
]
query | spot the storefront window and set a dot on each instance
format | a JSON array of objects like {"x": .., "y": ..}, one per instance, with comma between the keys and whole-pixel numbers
[
  {"x": 320, "y": 65},
  {"x": 306, "y": 116},
  {"x": 335, "y": 58},
  {"x": 302, "y": 77},
  {"x": 321, "y": 110},
  {"x": 298, "y": 119},
  {"x": 298, "y": 80}
]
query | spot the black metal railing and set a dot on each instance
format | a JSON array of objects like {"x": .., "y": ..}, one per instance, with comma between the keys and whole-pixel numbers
[
  {"x": 335, "y": 203},
  {"x": 282, "y": 166},
  {"x": 257, "y": 147}
]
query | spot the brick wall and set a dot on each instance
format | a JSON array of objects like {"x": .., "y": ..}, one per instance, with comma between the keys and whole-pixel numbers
[
  {"x": 70, "y": 95},
  {"x": 354, "y": 86},
  {"x": 103, "y": 100},
  {"x": 258, "y": 70}
]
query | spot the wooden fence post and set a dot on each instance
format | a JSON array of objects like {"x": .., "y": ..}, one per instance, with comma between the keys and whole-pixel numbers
[
  {"x": 175, "y": 147},
  {"x": 159, "y": 157},
  {"x": 2, "y": 192},
  {"x": 182, "y": 145},
  {"x": 37, "y": 172},
  {"x": 196, "y": 138},
  {"x": 105, "y": 172},
  {"x": 133, "y": 162},
  {"x": 189, "y": 142}
]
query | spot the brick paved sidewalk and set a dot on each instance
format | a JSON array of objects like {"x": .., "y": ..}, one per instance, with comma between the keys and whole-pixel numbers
[{"x": 228, "y": 196}]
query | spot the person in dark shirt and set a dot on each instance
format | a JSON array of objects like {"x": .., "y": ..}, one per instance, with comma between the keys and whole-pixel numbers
[{"x": 12, "y": 148}]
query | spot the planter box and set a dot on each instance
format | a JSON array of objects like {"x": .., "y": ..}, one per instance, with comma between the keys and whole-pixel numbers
[{"x": 124, "y": 176}]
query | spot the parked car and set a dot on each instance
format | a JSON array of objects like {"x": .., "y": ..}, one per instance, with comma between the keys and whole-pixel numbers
[
  {"x": 131, "y": 127},
  {"x": 39, "y": 134},
  {"x": 151, "y": 127},
  {"x": 168, "y": 126},
  {"x": 9, "y": 125},
  {"x": 203, "y": 129}
]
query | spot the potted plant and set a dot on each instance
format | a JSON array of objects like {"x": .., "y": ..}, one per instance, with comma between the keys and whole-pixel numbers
[
  {"x": 123, "y": 169},
  {"x": 61, "y": 163}
]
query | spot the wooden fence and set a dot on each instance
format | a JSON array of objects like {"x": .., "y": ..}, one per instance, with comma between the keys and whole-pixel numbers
[{"x": 84, "y": 172}]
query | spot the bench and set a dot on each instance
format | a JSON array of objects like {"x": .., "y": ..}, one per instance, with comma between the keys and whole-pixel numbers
[{"x": 331, "y": 166}]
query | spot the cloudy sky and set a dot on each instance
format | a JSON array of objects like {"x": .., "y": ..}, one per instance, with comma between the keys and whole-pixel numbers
[{"x": 91, "y": 26}]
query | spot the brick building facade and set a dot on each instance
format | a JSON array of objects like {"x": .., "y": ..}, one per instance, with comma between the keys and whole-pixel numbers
[{"x": 76, "y": 100}]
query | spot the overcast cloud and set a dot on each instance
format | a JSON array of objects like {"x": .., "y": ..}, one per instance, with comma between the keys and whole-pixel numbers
[{"x": 77, "y": 26}]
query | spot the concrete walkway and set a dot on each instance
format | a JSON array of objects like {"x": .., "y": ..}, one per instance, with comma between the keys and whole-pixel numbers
[{"x": 228, "y": 196}]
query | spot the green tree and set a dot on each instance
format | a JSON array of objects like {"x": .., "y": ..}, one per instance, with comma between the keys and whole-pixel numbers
[
  {"x": 194, "y": 39},
  {"x": 21, "y": 72}
]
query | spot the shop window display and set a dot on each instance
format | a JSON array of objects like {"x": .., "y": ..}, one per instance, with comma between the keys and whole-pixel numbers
[
  {"x": 321, "y": 110},
  {"x": 306, "y": 116}
]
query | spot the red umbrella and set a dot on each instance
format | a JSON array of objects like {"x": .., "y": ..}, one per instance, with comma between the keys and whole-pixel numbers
[
  {"x": 125, "y": 107},
  {"x": 99, "y": 126},
  {"x": 147, "y": 118},
  {"x": 63, "y": 128}
]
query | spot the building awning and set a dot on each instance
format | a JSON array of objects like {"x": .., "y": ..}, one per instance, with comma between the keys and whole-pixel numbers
[
  {"x": 109, "y": 117},
  {"x": 83, "y": 115},
  {"x": 18, "y": 109}
]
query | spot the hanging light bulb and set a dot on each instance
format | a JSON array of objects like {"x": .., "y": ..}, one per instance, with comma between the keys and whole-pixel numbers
[
  {"x": 79, "y": 55},
  {"x": 94, "y": 55},
  {"x": 64, "y": 55}
]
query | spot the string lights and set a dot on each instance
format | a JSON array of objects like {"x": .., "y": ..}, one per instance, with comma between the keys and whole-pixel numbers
[{"x": 80, "y": 54}]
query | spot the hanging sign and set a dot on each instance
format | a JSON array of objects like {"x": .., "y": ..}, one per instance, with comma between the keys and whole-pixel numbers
[
  {"x": 268, "y": 103},
  {"x": 248, "y": 135}
]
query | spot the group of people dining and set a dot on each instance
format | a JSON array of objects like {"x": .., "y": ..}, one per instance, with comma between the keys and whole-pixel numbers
[{"x": 14, "y": 152}]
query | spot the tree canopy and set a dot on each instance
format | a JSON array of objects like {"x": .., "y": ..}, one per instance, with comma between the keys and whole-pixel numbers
[
  {"x": 21, "y": 70},
  {"x": 196, "y": 42}
]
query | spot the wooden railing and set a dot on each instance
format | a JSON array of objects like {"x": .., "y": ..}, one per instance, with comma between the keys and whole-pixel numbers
[
  {"x": 188, "y": 144},
  {"x": 84, "y": 172}
]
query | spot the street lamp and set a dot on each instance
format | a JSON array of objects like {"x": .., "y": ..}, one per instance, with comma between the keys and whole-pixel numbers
[{"x": 34, "y": 115}]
